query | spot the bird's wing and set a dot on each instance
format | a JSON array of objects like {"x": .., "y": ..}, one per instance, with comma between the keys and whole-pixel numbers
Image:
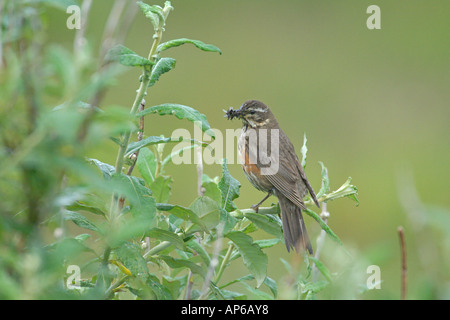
[
  {"x": 288, "y": 182},
  {"x": 305, "y": 180},
  {"x": 285, "y": 176}
]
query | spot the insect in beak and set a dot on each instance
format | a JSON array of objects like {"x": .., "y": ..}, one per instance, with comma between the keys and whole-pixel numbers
[{"x": 231, "y": 114}]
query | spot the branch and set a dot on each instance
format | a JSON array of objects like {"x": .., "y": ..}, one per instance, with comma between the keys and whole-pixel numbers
[
  {"x": 80, "y": 40},
  {"x": 320, "y": 240},
  {"x": 140, "y": 94},
  {"x": 401, "y": 235},
  {"x": 201, "y": 192},
  {"x": 135, "y": 155}
]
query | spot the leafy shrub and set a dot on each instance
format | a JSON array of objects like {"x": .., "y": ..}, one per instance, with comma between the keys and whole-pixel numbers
[{"x": 61, "y": 208}]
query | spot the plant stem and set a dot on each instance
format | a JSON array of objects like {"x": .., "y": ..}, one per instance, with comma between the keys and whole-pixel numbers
[
  {"x": 165, "y": 244},
  {"x": 401, "y": 235},
  {"x": 320, "y": 240},
  {"x": 115, "y": 285},
  {"x": 141, "y": 92},
  {"x": 200, "y": 192},
  {"x": 80, "y": 40},
  {"x": 224, "y": 262}
]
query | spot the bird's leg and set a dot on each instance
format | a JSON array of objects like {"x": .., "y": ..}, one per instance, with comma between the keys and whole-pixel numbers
[{"x": 256, "y": 206}]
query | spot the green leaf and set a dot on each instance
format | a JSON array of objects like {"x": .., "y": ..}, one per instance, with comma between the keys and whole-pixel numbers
[
  {"x": 182, "y": 213},
  {"x": 142, "y": 206},
  {"x": 154, "y": 13},
  {"x": 62, "y": 70},
  {"x": 82, "y": 237},
  {"x": 161, "y": 188},
  {"x": 210, "y": 188},
  {"x": 107, "y": 169},
  {"x": 134, "y": 190},
  {"x": 131, "y": 257},
  {"x": 254, "y": 258},
  {"x": 175, "y": 153},
  {"x": 216, "y": 291},
  {"x": 126, "y": 57},
  {"x": 59, "y": 4},
  {"x": 227, "y": 220},
  {"x": 267, "y": 223},
  {"x": 229, "y": 295},
  {"x": 267, "y": 243},
  {"x": 272, "y": 285},
  {"x": 208, "y": 211},
  {"x": 312, "y": 288},
  {"x": 258, "y": 293},
  {"x": 161, "y": 291},
  {"x": 183, "y": 263},
  {"x": 155, "y": 140},
  {"x": 229, "y": 188},
  {"x": 67, "y": 249},
  {"x": 146, "y": 163},
  {"x": 174, "y": 285},
  {"x": 77, "y": 206},
  {"x": 325, "y": 181},
  {"x": 197, "y": 247},
  {"x": 165, "y": 235},
  {"x": 135, "y": 146},
  {"x": 323, "y": 225},
  {"x": 113, "y": 121},
  {"x": 269, "y": 282},
  {"x": 178, "y": 42},
  {"x": 287, "y": 266},
  {"x": 346, "y": 190},
  {"x": 244, "y": 278},
  {"x": 181, "y": 112},
  {"x": 80, "y": 220},
  {"x": 322, "y": 268},
  {"x": 162, "y": 66}
]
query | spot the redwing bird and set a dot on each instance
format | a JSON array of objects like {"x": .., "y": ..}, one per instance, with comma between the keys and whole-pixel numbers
[{"x": 279, "y": 173}]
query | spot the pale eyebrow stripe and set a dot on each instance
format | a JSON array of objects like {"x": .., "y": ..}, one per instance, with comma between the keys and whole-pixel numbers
[{"x": 260, "y": 110}]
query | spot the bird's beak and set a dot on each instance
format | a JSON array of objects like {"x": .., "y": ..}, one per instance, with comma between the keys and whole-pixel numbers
[
  {"x": 239, "y": 113},
  {"x": 231, "y": 113}
]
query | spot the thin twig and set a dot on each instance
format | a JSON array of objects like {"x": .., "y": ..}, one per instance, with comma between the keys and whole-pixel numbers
[
  {"x": 80, "y": 40},
  {"x": 114, "y": 286},
  {"x": 108, "y": 39},
  {"x": 200, "y": 192},
  {"x": 140, "y": 94},
  {"x": 127, "y": 21},
  {"x": 135, "y": 155},
  {"x": 190, "y": 285},
  {"x": 401, "y": 235},
  {"x": 415, "y": 211},
  {"x": 200, "y": 189},
  {"x": 224, "y": 262},
  {"x": 214, "y": 262},
  {"x": 140, "y": 135},
  {"x": 320, "y": 240}
]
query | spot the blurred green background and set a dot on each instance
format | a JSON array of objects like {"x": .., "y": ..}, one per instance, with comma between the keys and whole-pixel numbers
[{"x": 373, "y": 104}]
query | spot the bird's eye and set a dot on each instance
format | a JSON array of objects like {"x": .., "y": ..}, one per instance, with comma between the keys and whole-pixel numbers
[{"x": 252, "y": 112}]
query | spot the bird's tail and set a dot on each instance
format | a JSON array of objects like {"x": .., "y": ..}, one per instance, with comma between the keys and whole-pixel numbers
[{"x": 294, "y": 230}]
